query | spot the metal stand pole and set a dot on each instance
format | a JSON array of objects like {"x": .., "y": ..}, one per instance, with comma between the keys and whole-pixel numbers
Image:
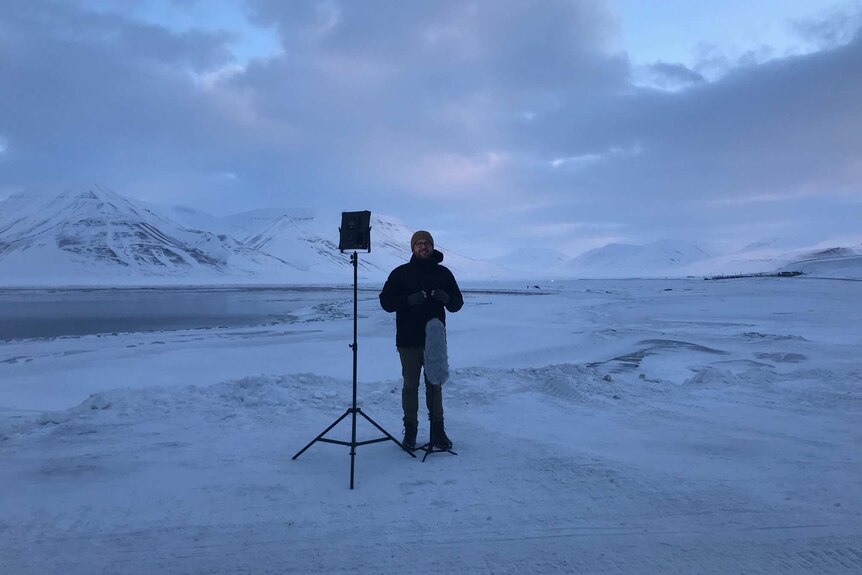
[{"x": 353, "y": 411}]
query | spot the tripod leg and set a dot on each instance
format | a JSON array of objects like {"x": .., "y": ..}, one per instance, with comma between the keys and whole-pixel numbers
[
  {"x": 383, "y": 431},
  {"x": 325, "y": 431},
  {"x": 353, "y": 437}
]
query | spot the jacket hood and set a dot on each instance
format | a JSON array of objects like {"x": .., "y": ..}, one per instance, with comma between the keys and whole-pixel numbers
[{"x": 436, "y": 258}]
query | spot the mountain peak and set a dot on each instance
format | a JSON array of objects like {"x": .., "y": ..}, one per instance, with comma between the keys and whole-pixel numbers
[{"x": 93, "y": 234}]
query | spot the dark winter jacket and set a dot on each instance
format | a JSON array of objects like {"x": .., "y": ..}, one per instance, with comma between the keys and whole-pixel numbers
[{"x": 419, "y": 275}]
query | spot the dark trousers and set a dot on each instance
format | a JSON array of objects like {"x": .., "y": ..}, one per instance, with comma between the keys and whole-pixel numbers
[{"x": 412, "y": 360}]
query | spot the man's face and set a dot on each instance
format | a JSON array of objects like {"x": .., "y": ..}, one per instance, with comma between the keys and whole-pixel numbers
[{"x": 423, "y": 249}]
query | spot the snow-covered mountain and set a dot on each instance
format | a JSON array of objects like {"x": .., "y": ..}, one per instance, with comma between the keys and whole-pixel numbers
[
  {"x": 310, "y": 242},
  {"x": 90, "y": 234},
  {"x": 238, "y": 226},
  {"x": 308, "y": 239},
  {"x": 93, "y": 236},
  {"x": 770, "y": 256},
  {"x": 837, "y": 262},
  {"x": 661, "y": 258},
  {"x": 290, "y": 236}
]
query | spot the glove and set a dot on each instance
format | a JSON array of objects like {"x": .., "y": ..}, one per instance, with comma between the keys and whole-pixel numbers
[
  {"x": 440, "y": 296},
  {"x": 417, "y": 298}
]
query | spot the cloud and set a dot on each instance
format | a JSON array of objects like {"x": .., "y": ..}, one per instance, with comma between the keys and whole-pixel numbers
[
  {"x": 97, "y": 96},
  {"x": 586, "y": 160},
  {"x": 836, "y": 27},
  {"x": 444, "y": 113},
  {"x": 670, "y": 77}
]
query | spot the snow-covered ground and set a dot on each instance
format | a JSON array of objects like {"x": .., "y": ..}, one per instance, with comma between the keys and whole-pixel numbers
[{"x": 642, "y": 426}]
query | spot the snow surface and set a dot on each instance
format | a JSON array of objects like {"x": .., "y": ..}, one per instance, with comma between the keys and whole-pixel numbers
[{"x": 644, "y": 426}]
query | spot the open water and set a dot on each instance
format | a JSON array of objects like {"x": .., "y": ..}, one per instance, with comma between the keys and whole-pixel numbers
[{"x": 47, "y": 313}]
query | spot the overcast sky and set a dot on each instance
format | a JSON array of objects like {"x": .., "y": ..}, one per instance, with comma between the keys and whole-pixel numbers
[{"x": 495, "y": 124}]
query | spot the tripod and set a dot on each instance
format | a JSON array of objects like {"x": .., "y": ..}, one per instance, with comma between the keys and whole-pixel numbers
[{"x": 354, "y": 411}]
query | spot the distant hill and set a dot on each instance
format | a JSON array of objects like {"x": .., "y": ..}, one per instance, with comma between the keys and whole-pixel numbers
[
  {"x": 838, "y": 262},
  {"x": 661, "y": 258},
  {"x": 770, "y": 257}
]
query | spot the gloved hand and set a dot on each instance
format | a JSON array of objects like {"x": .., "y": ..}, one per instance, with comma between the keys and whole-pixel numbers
[
  {"x": 440, "y": 296},
  {"x": 417, "y": 298}
]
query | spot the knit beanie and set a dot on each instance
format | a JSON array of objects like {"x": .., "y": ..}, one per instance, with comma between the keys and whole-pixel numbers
[{"x": 421, "y": 235}]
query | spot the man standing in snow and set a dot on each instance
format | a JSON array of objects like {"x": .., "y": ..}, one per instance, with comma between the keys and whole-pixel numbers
[{"x": 417, "y": 292}]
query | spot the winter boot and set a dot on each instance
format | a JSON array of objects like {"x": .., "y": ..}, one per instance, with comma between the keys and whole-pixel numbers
[
  {"x": 409, "y": 441},
  {"x": 438, "y": 436}
]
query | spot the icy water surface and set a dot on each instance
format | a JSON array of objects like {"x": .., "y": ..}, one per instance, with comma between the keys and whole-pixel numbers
[{"x": 47, "y": 313}]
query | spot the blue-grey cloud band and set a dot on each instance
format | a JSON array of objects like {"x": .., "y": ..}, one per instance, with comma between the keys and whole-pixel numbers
[{"x": 446, "y": 114}]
